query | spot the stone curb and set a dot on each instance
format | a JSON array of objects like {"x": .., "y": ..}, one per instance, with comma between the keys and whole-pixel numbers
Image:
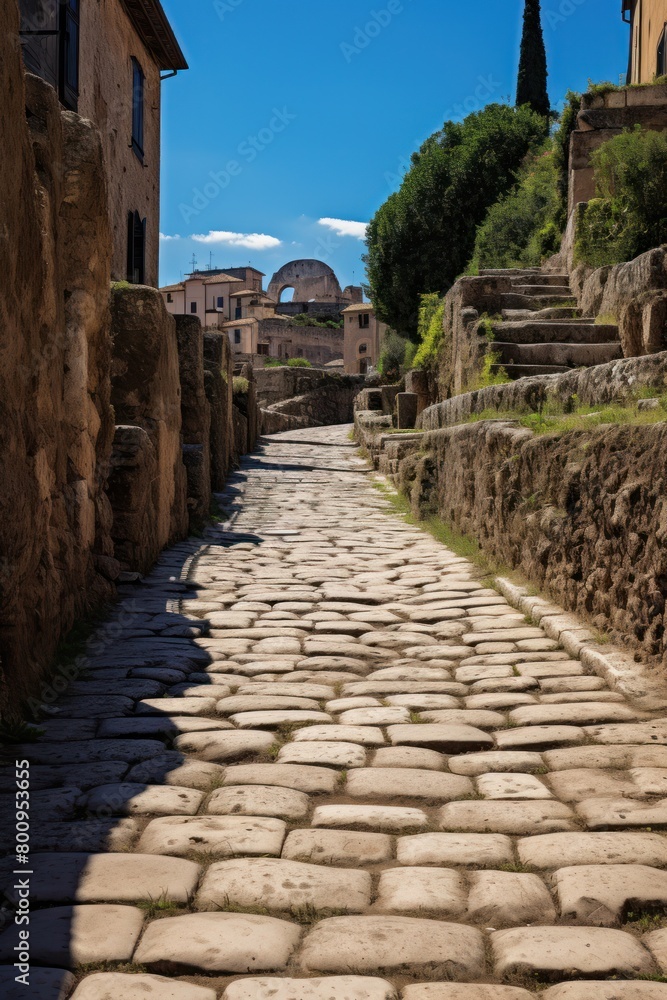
[{"x": 619, "y": 669}]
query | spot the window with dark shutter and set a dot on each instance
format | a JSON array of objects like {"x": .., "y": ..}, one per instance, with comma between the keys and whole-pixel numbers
[
  {"x": 136, "y": 248},
  {"x": 138, "y": 109},
  {"x": 661, "y": 68},
  {"x": 50, "y": 43}
]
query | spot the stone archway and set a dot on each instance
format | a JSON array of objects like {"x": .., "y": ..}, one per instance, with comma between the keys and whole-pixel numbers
[{"x": 312, "y": 280}]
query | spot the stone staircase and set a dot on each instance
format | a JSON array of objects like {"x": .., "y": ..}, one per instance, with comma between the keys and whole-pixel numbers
[{"x": 542, "y": 332}]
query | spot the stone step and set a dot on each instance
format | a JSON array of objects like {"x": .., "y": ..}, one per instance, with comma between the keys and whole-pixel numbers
[
  {"x": 534, "y": 302},
  {"x": 554, "y": 332},
  {"x": 507, "y": 272},
  {"x": 558, "y": 354},
  {"x": 541, "y": 289},
  {"x": 528, "y": 371},
  {"x": 555, "y": 312},
  {"x": 539, "y": 278}
]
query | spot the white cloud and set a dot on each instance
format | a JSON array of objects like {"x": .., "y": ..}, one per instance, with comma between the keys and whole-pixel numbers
[
  {"x": 166, "y": 239},
  {"x": 343, "y": 228},
  {"x": 253, "y": 241}
]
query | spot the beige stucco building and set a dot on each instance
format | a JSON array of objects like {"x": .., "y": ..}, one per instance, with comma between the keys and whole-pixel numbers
[
  {"x": 363, "y": 338},
  {"x": 233, "y": 300},
  {"x": 106, "y": 59},
  {"x": 648, "y": 39}
]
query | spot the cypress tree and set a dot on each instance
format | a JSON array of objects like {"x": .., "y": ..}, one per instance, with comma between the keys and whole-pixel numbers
[{"x": 532, "y": 84}]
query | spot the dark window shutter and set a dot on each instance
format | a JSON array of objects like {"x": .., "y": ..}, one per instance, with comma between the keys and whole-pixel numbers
[
  {"x": 138, "y": 79},
  {"x": 136, "y": 248}
]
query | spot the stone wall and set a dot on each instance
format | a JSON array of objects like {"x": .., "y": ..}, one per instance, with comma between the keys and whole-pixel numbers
[
  {"x": 594, "y": 386},
  {"x": 301, "y": 397},
  {"x": 56, "y": 422},
  {"x": 316, "y": 344},
  {"x": 583, "y": 515},
  {"x": 218, "y": 374},
  {"x": 196, "y": 417},
  {"x": 146, "y": 393}
]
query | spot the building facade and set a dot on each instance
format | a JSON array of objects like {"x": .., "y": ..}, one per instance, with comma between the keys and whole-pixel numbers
[
  {"x": 648, "y": 39},
  {"x": 363, "y": 338},
  {"x": 106, "y": 60}
]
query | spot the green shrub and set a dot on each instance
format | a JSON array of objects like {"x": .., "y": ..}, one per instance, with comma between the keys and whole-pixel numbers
[
  {"x": 629, "y": 214},
  {"x": 240, "y": 385},
  {"x": 429, "y": 330},
  {"x": 519, "y": 230},
  {"x": 325, "y": 322},
  {"x": 486, "y": 376},
  {"x": 299, "y": 363},
  {"x": 392, "y": 355},
  {"x": 421, "y": 239}
]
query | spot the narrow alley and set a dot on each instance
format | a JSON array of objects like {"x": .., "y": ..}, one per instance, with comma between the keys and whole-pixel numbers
[{"x": 313, "y": 756}]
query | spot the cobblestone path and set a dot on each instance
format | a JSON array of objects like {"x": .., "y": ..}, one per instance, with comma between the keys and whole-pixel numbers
[{"x": 312, "y": 757}]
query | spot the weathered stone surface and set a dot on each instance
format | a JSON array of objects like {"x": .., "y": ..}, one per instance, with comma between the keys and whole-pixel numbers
[
  {"x": 337, "y": 847},
  {"x": 510, "y": 761},
  {"x": 514, "y": 818},
  {"x": 609, "y": 990},
  {"x": 393, "y": 943},
  {"x": 299, "y": 776},
  {"x": 606, "y": 813},
  {"x": 225, "y": 746},
  {"x": 396, "y": 818},
  {"x": 409, "y": 757},
  {"x": 218, "y": 942},
  {"x": 422, "y": 891},
  {"x": 259, "y": 800},
  {"x": 505, "y": 899},
  {"x": 569, "y": 951},
  {"x": 340, "y": 987},
  {"x": 47, "y": 984},
  {"x": 98, "y": 878},
  {"x": 121, "y": 986},
  {"x": 342, "y": 755},
  {"x": 280, "y": 884},
  {"x": 462, "y": 991},
  {"x": 134, "y": 799},
  {"x": 599, "y": 895},
  {"x": 383, "y": 782},
  {"x": 68, "y": 936},
  {"x": 364, "y": 735},
  {"x": 622, "y": 757},
  {"x": 221, "y": 836},
  {"x": 479, "y": 849},
  {"x": 512, "y": 786},
  {"x": 576, "y": 785},
  {"x": 563, "y": 850},
  {"x": 171, "y": 769},
  {"x": 443, "y": 738}
]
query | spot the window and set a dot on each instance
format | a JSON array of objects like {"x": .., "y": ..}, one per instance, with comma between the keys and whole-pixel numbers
[
  {"x": 237, "y": 336},
  {"x": 220, "y": 301},
  {"x": 136, "y": 248},
  {"x": 363, "y": 348},
  {"x": 263, "y": 349},
  {"x": 50, "y": 42},
  {"x": 661, "y": 68},
  {"x": 364, "y": 320},
  {"x": 193, "y": 307},
  {"x": 170, "y": 297},
  {"x": 138, "y": 109},
  {"x": 299, "y": 352}
]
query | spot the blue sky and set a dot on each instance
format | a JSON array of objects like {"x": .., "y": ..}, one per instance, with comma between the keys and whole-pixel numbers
[{"x": 296, "y": 111}]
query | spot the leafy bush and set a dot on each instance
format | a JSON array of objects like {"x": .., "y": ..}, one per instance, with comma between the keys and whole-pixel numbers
[
  {"x": 240, "y": 385},
  {"x": 629, "y": 215},
  {"x": 430, "y": 330},
  {"x": 287, "y": 363},
  {"x": 519, "y": 230},
  {"x": 299, "y": 363},
  {"x": 421, "y": 239},
  {"x": 561, "y": 144},
  {"x": 392, "y": 355},
  {"x": 325, "y": 322},
  {"x": 486, "y": 376}
]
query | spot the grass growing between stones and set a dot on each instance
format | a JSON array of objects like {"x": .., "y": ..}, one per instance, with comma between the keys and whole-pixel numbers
[
  {"x": 555, "y": 418},
  {"x": 461, "y": 544}
]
